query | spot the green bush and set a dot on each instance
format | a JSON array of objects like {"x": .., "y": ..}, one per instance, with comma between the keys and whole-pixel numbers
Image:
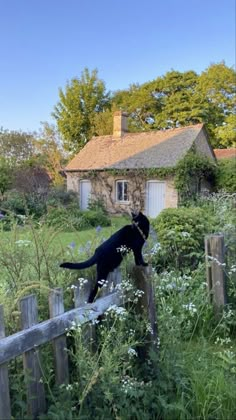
[
  {"x": 14, "y": 202},
  {"x": 95, "y": 218},
  {"x": 24, "y": 204},
  {"x": 191, "y": 171},
  {"x": 72, "y": 218},
  {"x": 181, "y": 235},
  {"x": 59, "y": 196},
  {"x": 226, "y": 177}
]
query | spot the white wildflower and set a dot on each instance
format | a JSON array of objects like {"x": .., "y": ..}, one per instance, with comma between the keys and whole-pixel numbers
[
  {"x": 132, "y": 352},
  {"x": 23, "y": 242},
  {"x": 117, "y": 310},
  {"x": 185, "y": 234},
  {"x": 190, "y": 307}
]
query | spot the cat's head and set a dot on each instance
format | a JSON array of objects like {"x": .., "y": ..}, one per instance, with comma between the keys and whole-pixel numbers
[{"x": 142, "y": 221}]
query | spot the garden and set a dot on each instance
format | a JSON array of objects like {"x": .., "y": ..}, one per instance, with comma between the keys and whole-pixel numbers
[{"x": 191, "y": 375}]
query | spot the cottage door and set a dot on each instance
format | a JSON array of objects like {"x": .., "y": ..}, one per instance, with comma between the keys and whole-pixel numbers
[
  {"x": 155, "y": 198},
  {"x": 85, "y": 191}
]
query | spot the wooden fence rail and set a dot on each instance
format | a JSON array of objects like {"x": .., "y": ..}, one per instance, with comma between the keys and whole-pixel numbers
[{"x": 34, "y": 334}]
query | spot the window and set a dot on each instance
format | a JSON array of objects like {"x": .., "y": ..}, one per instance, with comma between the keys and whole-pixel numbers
[{"x": 121, "y": 190}]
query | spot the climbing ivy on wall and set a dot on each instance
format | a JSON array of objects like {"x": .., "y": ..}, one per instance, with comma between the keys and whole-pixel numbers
[
  {"x": 187, "y": 174},
  {"x": 191, "y": 170}
]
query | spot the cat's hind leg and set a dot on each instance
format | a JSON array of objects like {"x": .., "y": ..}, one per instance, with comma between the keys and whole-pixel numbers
[{"x": 102, "y": 274}]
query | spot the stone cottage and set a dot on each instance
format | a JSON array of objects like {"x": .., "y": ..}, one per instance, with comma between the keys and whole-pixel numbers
[{"x": 133, "y": 170}]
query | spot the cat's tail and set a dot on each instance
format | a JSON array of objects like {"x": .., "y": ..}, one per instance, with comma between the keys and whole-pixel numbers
[{"x": 79, "y": 266}]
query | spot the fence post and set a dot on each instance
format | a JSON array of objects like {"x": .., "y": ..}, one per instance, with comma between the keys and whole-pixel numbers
[
  {"x": 113, "y": 279},
  {"x": 215, "y": 272},
  {"x": 81, "y": 295},
  {"x": 5, "y": 404},
  {"x": 32, "y": 369},
  {"x": 56, "y": 307},
  {"x": 146, "y": 306}
]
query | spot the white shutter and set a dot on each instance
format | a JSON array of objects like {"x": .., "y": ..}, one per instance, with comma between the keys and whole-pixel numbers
[
  {"x": 85, "y": 192},
  {"x": 155, "y": 197}
]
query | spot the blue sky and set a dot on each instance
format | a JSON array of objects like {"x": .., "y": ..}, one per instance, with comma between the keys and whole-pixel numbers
[{"x": 45, "y": 43}]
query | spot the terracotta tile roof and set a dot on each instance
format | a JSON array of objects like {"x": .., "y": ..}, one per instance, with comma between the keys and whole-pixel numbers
[
  {"x": 144, "y": 150},
  {"x": 225, "y": 153}
]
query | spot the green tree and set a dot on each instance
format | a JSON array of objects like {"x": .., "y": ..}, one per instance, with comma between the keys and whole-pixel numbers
[
  {"x": 140, "y": 102},
  {"x": 78, "y": 105},
  {"x": 175, "y": 100},
  {"x": 5, "y": 175},
  {"x": 16, "y": 146},
  {"x": 226, "y": 177},
  {"x": 180, "y": 99},
  {"x": 49, "y": 152},
  {"x": 216, "y": 86}
]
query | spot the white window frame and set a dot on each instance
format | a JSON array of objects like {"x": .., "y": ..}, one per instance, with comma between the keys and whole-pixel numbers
[{"x": 122, "y": 181}]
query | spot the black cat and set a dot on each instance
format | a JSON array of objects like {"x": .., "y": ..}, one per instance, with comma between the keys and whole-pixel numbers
[{"x": 109, "y": 255}]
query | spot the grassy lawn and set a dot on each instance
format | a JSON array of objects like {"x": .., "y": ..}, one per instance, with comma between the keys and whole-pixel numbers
[
  {"x": 82, "y": 237},
  {"x": 63, "y": 239}
]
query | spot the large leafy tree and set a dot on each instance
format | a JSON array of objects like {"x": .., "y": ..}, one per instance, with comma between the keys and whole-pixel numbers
[
  {"x": 76, "y": 110},
  {"x": 16, "y": 146},
  {"x": 180, "y": 99},
  {"x": 172, "y": 100},
  {"x": 216, "y": 86},
  {"x": 5, "y": 176},
  {"x": 49, "y": 153}
]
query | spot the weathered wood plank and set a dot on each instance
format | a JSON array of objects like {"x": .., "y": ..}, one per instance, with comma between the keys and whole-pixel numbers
[
  {"x": 215, "y": 266},
  {"x": 113, "y": 279},
  {"x": 5, "y": 404},
  {"x": 46, "y": 331},
  {"x": 36, "y": 403},
  {"x": 56, "y": 307},
  {"x": 81, "y": 295},
  {"x": 146, "y": 307}
]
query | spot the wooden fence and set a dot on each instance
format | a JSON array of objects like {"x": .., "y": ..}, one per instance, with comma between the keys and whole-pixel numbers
[
  {"x": 215, "y": 270},
  {"x": 34, "y": 334}
]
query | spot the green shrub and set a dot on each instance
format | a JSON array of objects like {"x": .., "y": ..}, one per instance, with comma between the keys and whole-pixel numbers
[
  {"x": 226, "y": 177},
  {"x": 14, "y": 202},
  {"x": 95, "y": 218},
  {"x": 59, "y": 196},
  {"x": 72, "y": 218},
  {"x": 24, "y": 204},
  {"x": 191, "y": 171},
  {"x": 181, "y": 235},
  {"x": 65, "y": 219}
]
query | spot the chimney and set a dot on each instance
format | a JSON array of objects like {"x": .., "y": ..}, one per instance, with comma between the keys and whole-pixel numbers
[{"x": 120, "y": 124}]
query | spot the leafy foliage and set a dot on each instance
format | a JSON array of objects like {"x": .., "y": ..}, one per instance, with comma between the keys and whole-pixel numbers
[
  {"x": 71, "y": 218},
  {"x": 226, "y": 177},
  {"x": 16, "y": 146},
  {"x": 181, "y": 236},
  {"x": 5, "y": 175},
  {"x": 191, "y": 171},
  {"x": 78, "y": 104}
]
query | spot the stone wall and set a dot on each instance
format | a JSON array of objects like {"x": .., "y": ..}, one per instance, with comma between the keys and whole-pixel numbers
[{"x": 103, "y": 185}]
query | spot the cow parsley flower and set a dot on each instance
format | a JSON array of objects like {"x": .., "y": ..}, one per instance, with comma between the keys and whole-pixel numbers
[
  {"x": 132, "y": 352},
  {"x": 23, "y": 242}
]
